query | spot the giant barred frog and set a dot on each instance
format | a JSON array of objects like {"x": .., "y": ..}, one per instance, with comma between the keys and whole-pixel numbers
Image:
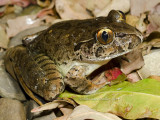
[{"x": 68, "y": 52}]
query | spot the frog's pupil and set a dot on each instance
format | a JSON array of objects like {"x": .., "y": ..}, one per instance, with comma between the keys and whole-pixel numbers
[{"x": 105, "y": 36}]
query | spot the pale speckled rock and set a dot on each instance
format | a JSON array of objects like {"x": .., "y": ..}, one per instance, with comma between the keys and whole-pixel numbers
[
  {"x": 11, "y": 110},
  {"x": 9, "y": 87},
  {"x": 152, "y": 64},
  {"x": 29, "y": 105}
]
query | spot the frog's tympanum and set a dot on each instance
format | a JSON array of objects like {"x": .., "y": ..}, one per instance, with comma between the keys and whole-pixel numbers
[{"x": 68, "y": 52}]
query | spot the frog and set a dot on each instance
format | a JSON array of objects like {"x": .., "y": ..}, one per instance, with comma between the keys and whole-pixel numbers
[{"x": 68, "y": 52}]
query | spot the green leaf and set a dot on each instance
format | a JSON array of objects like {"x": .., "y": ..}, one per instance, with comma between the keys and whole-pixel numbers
[{"x": 129, "y": 100}]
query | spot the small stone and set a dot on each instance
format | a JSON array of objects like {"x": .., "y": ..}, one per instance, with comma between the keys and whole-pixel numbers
[
  {"x": 11, "y": 110},
  {"x": 152, "y": 64},
  {"x": 29, "y": 105},
  {"x": 50, "y": 116},
  {"x": 9, "y": 87}
]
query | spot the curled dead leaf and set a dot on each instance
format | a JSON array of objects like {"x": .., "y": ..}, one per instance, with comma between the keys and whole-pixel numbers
[
  {"x": 133, "y": 77},
  {"x": 47, "y": 11},
  {"x": 132, "y": 20},
  {"x": 55, "y": 104},
  {"x": 23, "y": 3},
  {"x": 141, "y": 6},
  {"x": 69, "y": 9},
  {"x": 123, "y": 5},
  {"x": 135, "y": 61},
  {"x": 3, "y": 38},
  {"x": 153, "y": 40},
  {"x": 24, "y": 22},
  {"x": 154, "y": 77},
  {"x": 141, "y": 25},
  {"x": 83, "y": 112}
]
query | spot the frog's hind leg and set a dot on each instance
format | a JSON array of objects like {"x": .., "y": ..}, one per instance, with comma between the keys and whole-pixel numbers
[
  {"x": 35, "y": 72},
  {"x": 76, "y": 79},
  {"x": 26, "y": 89}
]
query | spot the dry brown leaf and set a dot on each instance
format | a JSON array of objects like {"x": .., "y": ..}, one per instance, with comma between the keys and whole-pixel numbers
[
  {"x": 135, "y": 61},
  {"x": 133, "y": 77},
  {"x": 23, "y": 3},
  {"x": 3, "y": 38},
  {"x": 47, "y": 106},
  {"x": 132, "y": 20},
  {"x": 154, "y": 77},
  {"x": 153, "y": 40},
  {"x": 154, "y": 25},
  {"x": 83, "y": 112},
  {"x": 141, "y": 6},
  {"x": 123, "y": 5},
  {"x": 55, "y": 104},
  {"x": 48, "y": 10},
  {"x": 141, "y": 25},
  {"x": 95, "y": 6},
  {"x": 137, "y": 22},
  {"x": 21, "y": 23},
  {"x": 71, "y": 9}
]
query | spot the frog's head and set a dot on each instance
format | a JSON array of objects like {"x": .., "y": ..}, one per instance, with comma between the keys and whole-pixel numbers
[{"x": 112, "y": 37}]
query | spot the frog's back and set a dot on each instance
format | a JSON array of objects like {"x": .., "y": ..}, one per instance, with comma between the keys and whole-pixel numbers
[
  {"x": 59, "y": 39},
  {"x": 77, "y": 39}
]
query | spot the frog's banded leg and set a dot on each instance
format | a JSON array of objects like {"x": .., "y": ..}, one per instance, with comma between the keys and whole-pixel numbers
[
  {"x": 26, "y": 89},
  {"x": 77, "y": 81},
  {"x": 37, "y": 72}
]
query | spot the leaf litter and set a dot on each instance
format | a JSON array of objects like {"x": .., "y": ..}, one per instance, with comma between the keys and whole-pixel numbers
[{"x": 124, "y": 100}]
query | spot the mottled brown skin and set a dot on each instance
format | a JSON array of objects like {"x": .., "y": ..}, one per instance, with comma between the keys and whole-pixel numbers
[{"x": 67, "y": 52}]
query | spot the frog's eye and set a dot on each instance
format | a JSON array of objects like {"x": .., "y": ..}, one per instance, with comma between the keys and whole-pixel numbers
[
  {"x": 122, "y": 15},
  {"x": 104, "y": 36}
]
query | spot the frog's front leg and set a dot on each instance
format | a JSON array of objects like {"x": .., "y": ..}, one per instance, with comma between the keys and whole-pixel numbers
[{"x": 76, "y": 79}]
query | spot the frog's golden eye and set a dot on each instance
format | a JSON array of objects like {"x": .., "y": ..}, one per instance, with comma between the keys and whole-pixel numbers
[
  {"x": 122, "y": 15},
  {"x": 104, "y": 36}
]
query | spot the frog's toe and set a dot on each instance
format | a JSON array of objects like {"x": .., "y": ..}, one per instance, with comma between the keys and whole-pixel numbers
[{"x": 53, "y": 89}]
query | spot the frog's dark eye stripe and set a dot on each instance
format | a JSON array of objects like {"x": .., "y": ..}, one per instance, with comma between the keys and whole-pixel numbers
[{"x": 104, "y": 36}]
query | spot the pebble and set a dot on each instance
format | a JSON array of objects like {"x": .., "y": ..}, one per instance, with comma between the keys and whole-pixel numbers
[
  {"x": 11, "y": 110},
  {"x": 152, "y": 64},
  {"x": 9, "y": 88},
  {"x": 29, "y": 105}
]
